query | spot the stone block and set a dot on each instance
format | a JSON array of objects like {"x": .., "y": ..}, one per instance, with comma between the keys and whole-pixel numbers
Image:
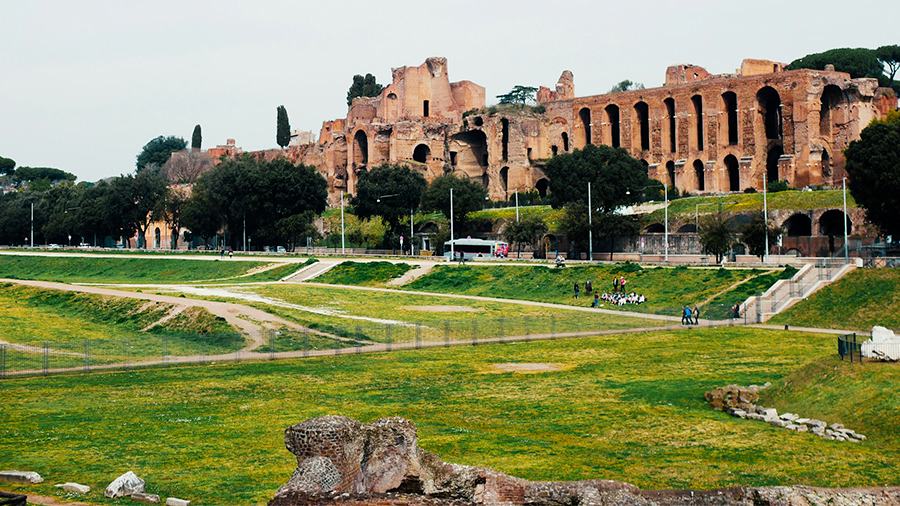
[
  {"x": 174, "y": 501},
  {"x": 145, "y": 498},
  {"x": 21, "y": 477},
  {"x": 836, "y": 426},
  {"x": 770, "y": 413},
  {"x": 777, "y": 423},
  {"x": 77, "y": 488},
  {"x": 789, "y": 417},
  {"x": 802, "y": 428},
  {"x": 124, "y": 485}
]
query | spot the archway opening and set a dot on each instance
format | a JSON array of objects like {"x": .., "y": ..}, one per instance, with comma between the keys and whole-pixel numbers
[
  {"x": 831, "y": 97},
  {"x": 670, "y": 173},
  {"x": 642, "y": 115},
  {"x": 655, "y": 228},
  {"x": 798, "y": 225},
  {"x": 157, "y": 238},
  {"x": 421, "y": 153},
  {"x": 670, "y": 112},
  {"x": 687, "y": 229},
  {"x": 504, "y": 123},
  {"x": 697, "y": 102},
  {"x": 612, "y": 117},
  {"x": 585, "y": 116},
  {"x": 832, "y": 223},
  {"x": 772, "y": 163},
  {"x": 734, "y": 173},
  {"x": 729, "y": 98},
  {"x": 769, "y": 106},
  {"x": 542, "y": 186},
  {"x": 699, "y": 173},
  {"x": 565, "y": 141},
  {"x": 827, "y": 170},
  {"x": 504, "y": 180},
  {"x": 361, "y": 153}
]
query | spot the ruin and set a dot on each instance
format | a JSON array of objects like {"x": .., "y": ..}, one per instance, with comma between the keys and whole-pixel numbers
[
  {"x": 699, "y": 132},
  {"x": 341, "y": 461}
]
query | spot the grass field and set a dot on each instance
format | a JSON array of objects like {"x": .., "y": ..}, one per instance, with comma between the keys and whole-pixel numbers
[
  {"x": 66, "y": 320},
  {"x": 667, "y": 289},
  {"x": 791, "y": 199},
  {"x": 363, "y": 273},
  {"x": 131, "y": 270},
  {"x": 214, "y": 434},
  {"x": 859, "y": 300}
]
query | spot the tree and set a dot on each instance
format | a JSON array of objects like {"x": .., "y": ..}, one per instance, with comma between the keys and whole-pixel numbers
[
  {"x": 186, "y": 166},
  {"x": 754, "y": 235},
  {"x": 468, "y": 196},
  {"x": 283, "y": 128},
  {"x": 873, "y": 168},
  {"x": 716, "y": 236},
  {"x": 519, "y": 95},
  {"x": 626, "y": 85},
  {"x": 390, "y": 191},
  {"x": 196, "y": 139},
  {"x": 170, "y": 209},
  {"x": 363, "y": 87},
  {"x": 858, "y": 62},
  {"x": 889, "y": 57},
  {"x": 37, "y": 173},
  {"x": 295, "y": 229},
  {"x": 7, "y": 165},
  {"x": 528, "y": 231},
  {"x": 158, "y": 151},
  {"x": 134, "y": 198}
]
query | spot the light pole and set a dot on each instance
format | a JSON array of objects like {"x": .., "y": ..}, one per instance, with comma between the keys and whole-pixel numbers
[
  {"x": 32, "y": 224},
  {"x": 666, "y": 219},
  {"x": 452, "y": 249},
  {"x": 411, "y": 232},
  {"x": 591, "y": 228},
  {"x": 342, "y": 222},
  {"x": 846, "y": 248},
  {"x": 765, "y": 218}
]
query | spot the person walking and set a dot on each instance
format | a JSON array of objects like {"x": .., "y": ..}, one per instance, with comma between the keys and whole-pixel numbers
[
  {"x": 622, "y": 284},
  {"x": 596, "y": 302},
  {"x": 588, "y": 287},
  {"x": 696, "y": 312},
  {"x": 576, "y": 289},
  {"x": 615, "y": 284},
  {"x": 686, "y": 316},
  {"x": 736, "y": 311}
]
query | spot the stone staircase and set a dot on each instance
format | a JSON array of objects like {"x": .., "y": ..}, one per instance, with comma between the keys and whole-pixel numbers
[
  {"x": 311, "y": 271},
  {"x": 786, "y": 292}
]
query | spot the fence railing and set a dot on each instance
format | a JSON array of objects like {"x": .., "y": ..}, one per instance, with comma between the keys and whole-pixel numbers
[
  {"x": 27, "y": 357},
  {"x": 849, "y": 348}
]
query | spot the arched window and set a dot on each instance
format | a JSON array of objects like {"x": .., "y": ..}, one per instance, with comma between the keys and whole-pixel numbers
[
  {"x": 642, "y": 124},
  {"x": 612, "y": 117},
  {"x": 504, "y": 180},
  {"x": 772, "y": 163},
  {"x": 697, "y": 102},
  {"x": 729, "y": 100},
  {"x": 699, "y": 173},
  {"x": 361, "y": 153},
  {"x": 565, "y": 141},
  {"x": 504, "y": 123},
  {"x": 542, "y": 186},
  {"x": 671, "y": 133},
  {"x": 670, "y": 172},
  {"x": 798, "y": 225},
  {"x": 769, "y": 106},
  {"x": 585, "y": 116},
  {"x": 421, "y": 153},
  {"x": 734, "y": 173}
]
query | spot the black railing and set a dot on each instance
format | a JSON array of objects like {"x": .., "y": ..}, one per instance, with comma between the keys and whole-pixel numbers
[
  {"x": 7, "y": 499},
  {"x": 849, "y": 347}
]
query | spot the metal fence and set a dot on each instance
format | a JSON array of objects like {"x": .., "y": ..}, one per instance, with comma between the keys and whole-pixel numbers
[
  {"x": 24, "y": 357},
  {"x": 850, "y": 348}
]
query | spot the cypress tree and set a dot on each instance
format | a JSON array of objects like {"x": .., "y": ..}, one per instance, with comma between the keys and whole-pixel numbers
[
  {"x": 196, "y": 139},
  {"x": 283, "y": 132}
]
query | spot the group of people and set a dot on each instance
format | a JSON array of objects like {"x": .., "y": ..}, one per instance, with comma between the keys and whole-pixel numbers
[
  {"x": 690, "y": 316},
  {"x": 617, "y": 297}
]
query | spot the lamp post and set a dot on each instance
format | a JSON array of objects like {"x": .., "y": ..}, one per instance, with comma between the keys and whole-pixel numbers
[
  {"x": 846, "y": 248},
  {"x": 342, "y": 222},
  {"x": 765, "y": 219},
  {"x": 666, "y": 219},
  {"x": 452, "y": 249},
  {"x": 591, "y": 228},
  {"x": 32, "y": 224}
]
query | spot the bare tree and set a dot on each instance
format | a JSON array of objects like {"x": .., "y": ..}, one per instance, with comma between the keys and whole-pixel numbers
[{"x": 186, "y": 166}]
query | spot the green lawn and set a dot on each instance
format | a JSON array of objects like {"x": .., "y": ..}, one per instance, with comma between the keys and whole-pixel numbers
[
  {"x": 667, "y": 289},
  {"x": 791, "y": 199},
  {"x": 626, "y": 408},
  {"x": 859, "y": 300},
  {"x": 130, "y": 270},
  {"x": 363, "y": 273},
  {"x": 110, "y": 327}
]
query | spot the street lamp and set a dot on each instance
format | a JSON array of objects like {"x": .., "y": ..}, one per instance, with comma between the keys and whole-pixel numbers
[
  {"x": 342, "y": 223},
  {"x": 765, "y": 218},
  {"x": 591, "y": 228},
  {"x": 697, "y": 211},
  {"x": 846, "y": 248},
  {"x": 452, "y": 249},
  {"x": 666, "y": 220},
  {"x": 411, "y": 231}
]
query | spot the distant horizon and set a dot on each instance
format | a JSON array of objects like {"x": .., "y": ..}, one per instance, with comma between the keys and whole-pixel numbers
[{"x": 88, "y": 85}]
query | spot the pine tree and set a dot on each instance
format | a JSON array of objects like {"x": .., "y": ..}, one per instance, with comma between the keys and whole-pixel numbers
[
  {"x": 283, "y": 133},
  {"x": 196, "y": 139}
]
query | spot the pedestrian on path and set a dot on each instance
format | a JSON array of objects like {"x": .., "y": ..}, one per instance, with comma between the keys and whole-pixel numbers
[
  {"x": 588, "y": 287},
  {"x": 622, "y": 284},
  {"x": 736, "y": 311},
  {"x": 576, "y": 289},
  {"x": 696, "y": 315},
  {"x": 596, "y": 302},
  {"x": 615, "y": 284},
  {"x": 686, "y": 315}
]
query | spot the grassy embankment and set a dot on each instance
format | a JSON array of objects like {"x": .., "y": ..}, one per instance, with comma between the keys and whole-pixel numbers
[
  {"x": 113, "y": 326},
  {"x": 791, "y": 199},
  {"x": 136, "y": 270},
  {"x": 859, "y": 300},
  {"x": 214, "y": 434},
  {"x": 363, "y": 273}
]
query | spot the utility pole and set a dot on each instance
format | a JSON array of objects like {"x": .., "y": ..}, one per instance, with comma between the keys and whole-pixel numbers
[
  {"x": 765, "y": 218},
  {"x": 452, "y": 249},
  {"x": 342, "y": 222},
  {"x": 846, "y": 246},
  {"x": 590, "y": 227}
]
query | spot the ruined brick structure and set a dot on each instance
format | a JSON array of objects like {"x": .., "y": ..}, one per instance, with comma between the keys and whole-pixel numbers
[
  {"x": 343, "y": 462},
  {"x": 700, "y": 132}
]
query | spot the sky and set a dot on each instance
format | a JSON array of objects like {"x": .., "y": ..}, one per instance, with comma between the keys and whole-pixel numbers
[{"x": 85, "y": 85}]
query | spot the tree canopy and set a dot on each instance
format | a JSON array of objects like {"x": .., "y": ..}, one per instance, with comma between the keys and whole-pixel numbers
[
  {"x": 519, "y": 95},
  {"x": 7, "y": 165},
  {"x": 716, "y": 236},
  {"x": 626, "y": 85},
  {"x": 754, "y": 235},
  {"x": 283, "y": 127},
  {"x": 363, "y": 87},
  {"x": 527, "y": 231},
  {"x": 398, "y": 187},
  {"x": 48, "y": 173},
  {"x": 196, "y": 138},
  {"x": 873, "y": 168},
  {"x": 158, "y": 151},
  {"x": 889, "y": 56},
  {"x": 468, "y": 196}
]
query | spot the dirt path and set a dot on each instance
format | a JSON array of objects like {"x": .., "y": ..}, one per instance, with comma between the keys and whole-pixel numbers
[{"x": 733, "y": 286}]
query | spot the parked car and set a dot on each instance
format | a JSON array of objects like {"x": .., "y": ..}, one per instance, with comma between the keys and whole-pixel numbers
[{"x": 280, "y": 249}]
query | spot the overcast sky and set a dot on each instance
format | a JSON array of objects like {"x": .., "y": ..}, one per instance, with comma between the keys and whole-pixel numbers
[{"x": 84, "y": 85}]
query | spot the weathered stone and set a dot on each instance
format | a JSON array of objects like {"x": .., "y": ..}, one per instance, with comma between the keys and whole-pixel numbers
[
  {"x": 777, "y": 423},
  {"x": 788, "y": 416},
  {"x": 21, "y": 477},
  {"x": 145, "y": 498},
  {"x": 124, "y": 485},
  {"x": 77, "y": 488},
  {"x": 174, "y": 501},
  {"x": 836, "y": 426},
  {"x": 801, "y": 428}
]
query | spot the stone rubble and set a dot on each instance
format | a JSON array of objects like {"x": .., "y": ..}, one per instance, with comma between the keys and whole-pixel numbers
[
  {"x": 21, "y": 477},
  {"x": 174, "y": 501},
  {"x": 741, "y": 401},
  {"x": 125, "y": 485},
  {"x": 77, "y": 488},
  {"x": 145, "y": 498}
]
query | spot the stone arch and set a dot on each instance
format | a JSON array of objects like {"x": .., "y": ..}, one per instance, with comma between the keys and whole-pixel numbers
[
  {"x": 361, "y": 151},
  {"x": 584, "y": 116},
  {"x": 565, "y": 141},
  {"x": 768, "y": 103},
  {"x": 732, "y": 168},
  {"x": 655, "y": 228},
  {"x": 642, "y": 125},
  {"x": 798, "y": 225},
  {"x": 542, "y": 186},
  {"x": 471, "y": 151},
  {"x": 699, "y": 173},
  {"x": 670, "y": 173},
  {"x": 832, "y": 223},
  {"x": 671, "y": 132},
  {"x": 831, "y": 98},
  {"x": 504, "y": 181},
  {"x": 612, "y": 117},
  {"x": 730, "y": 108},
  {"x": 421, "y": 153},
  {"x": 772, "y": 163},
  {"x": 697, "y": 102},
  {"x": 689, "y": 228}
]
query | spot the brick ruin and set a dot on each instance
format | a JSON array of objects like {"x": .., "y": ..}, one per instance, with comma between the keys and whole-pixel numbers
[
  {"x": 341, "y": 461},
  {"x": 700, "y": 132}
]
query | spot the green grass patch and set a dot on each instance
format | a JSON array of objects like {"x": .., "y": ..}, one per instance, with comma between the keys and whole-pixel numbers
[
  {"x": 861, "y": 299},
  {"x": 275, "y": 273},
  {"x": 720, "y": 307},
  {"x": 667, "y": 289},
  {"x": 791, "y": 199},
  {"x": 550, "y": 216},
  {"x": 122, "y": 270},
  {"x": 624, "y": 407},
  {"x": 363, "y": 273}
]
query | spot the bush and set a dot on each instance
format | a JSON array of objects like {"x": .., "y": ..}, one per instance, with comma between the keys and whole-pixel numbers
[
  {"x": 778, "y": 186},
  {"x": 749, "y": 190}
]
